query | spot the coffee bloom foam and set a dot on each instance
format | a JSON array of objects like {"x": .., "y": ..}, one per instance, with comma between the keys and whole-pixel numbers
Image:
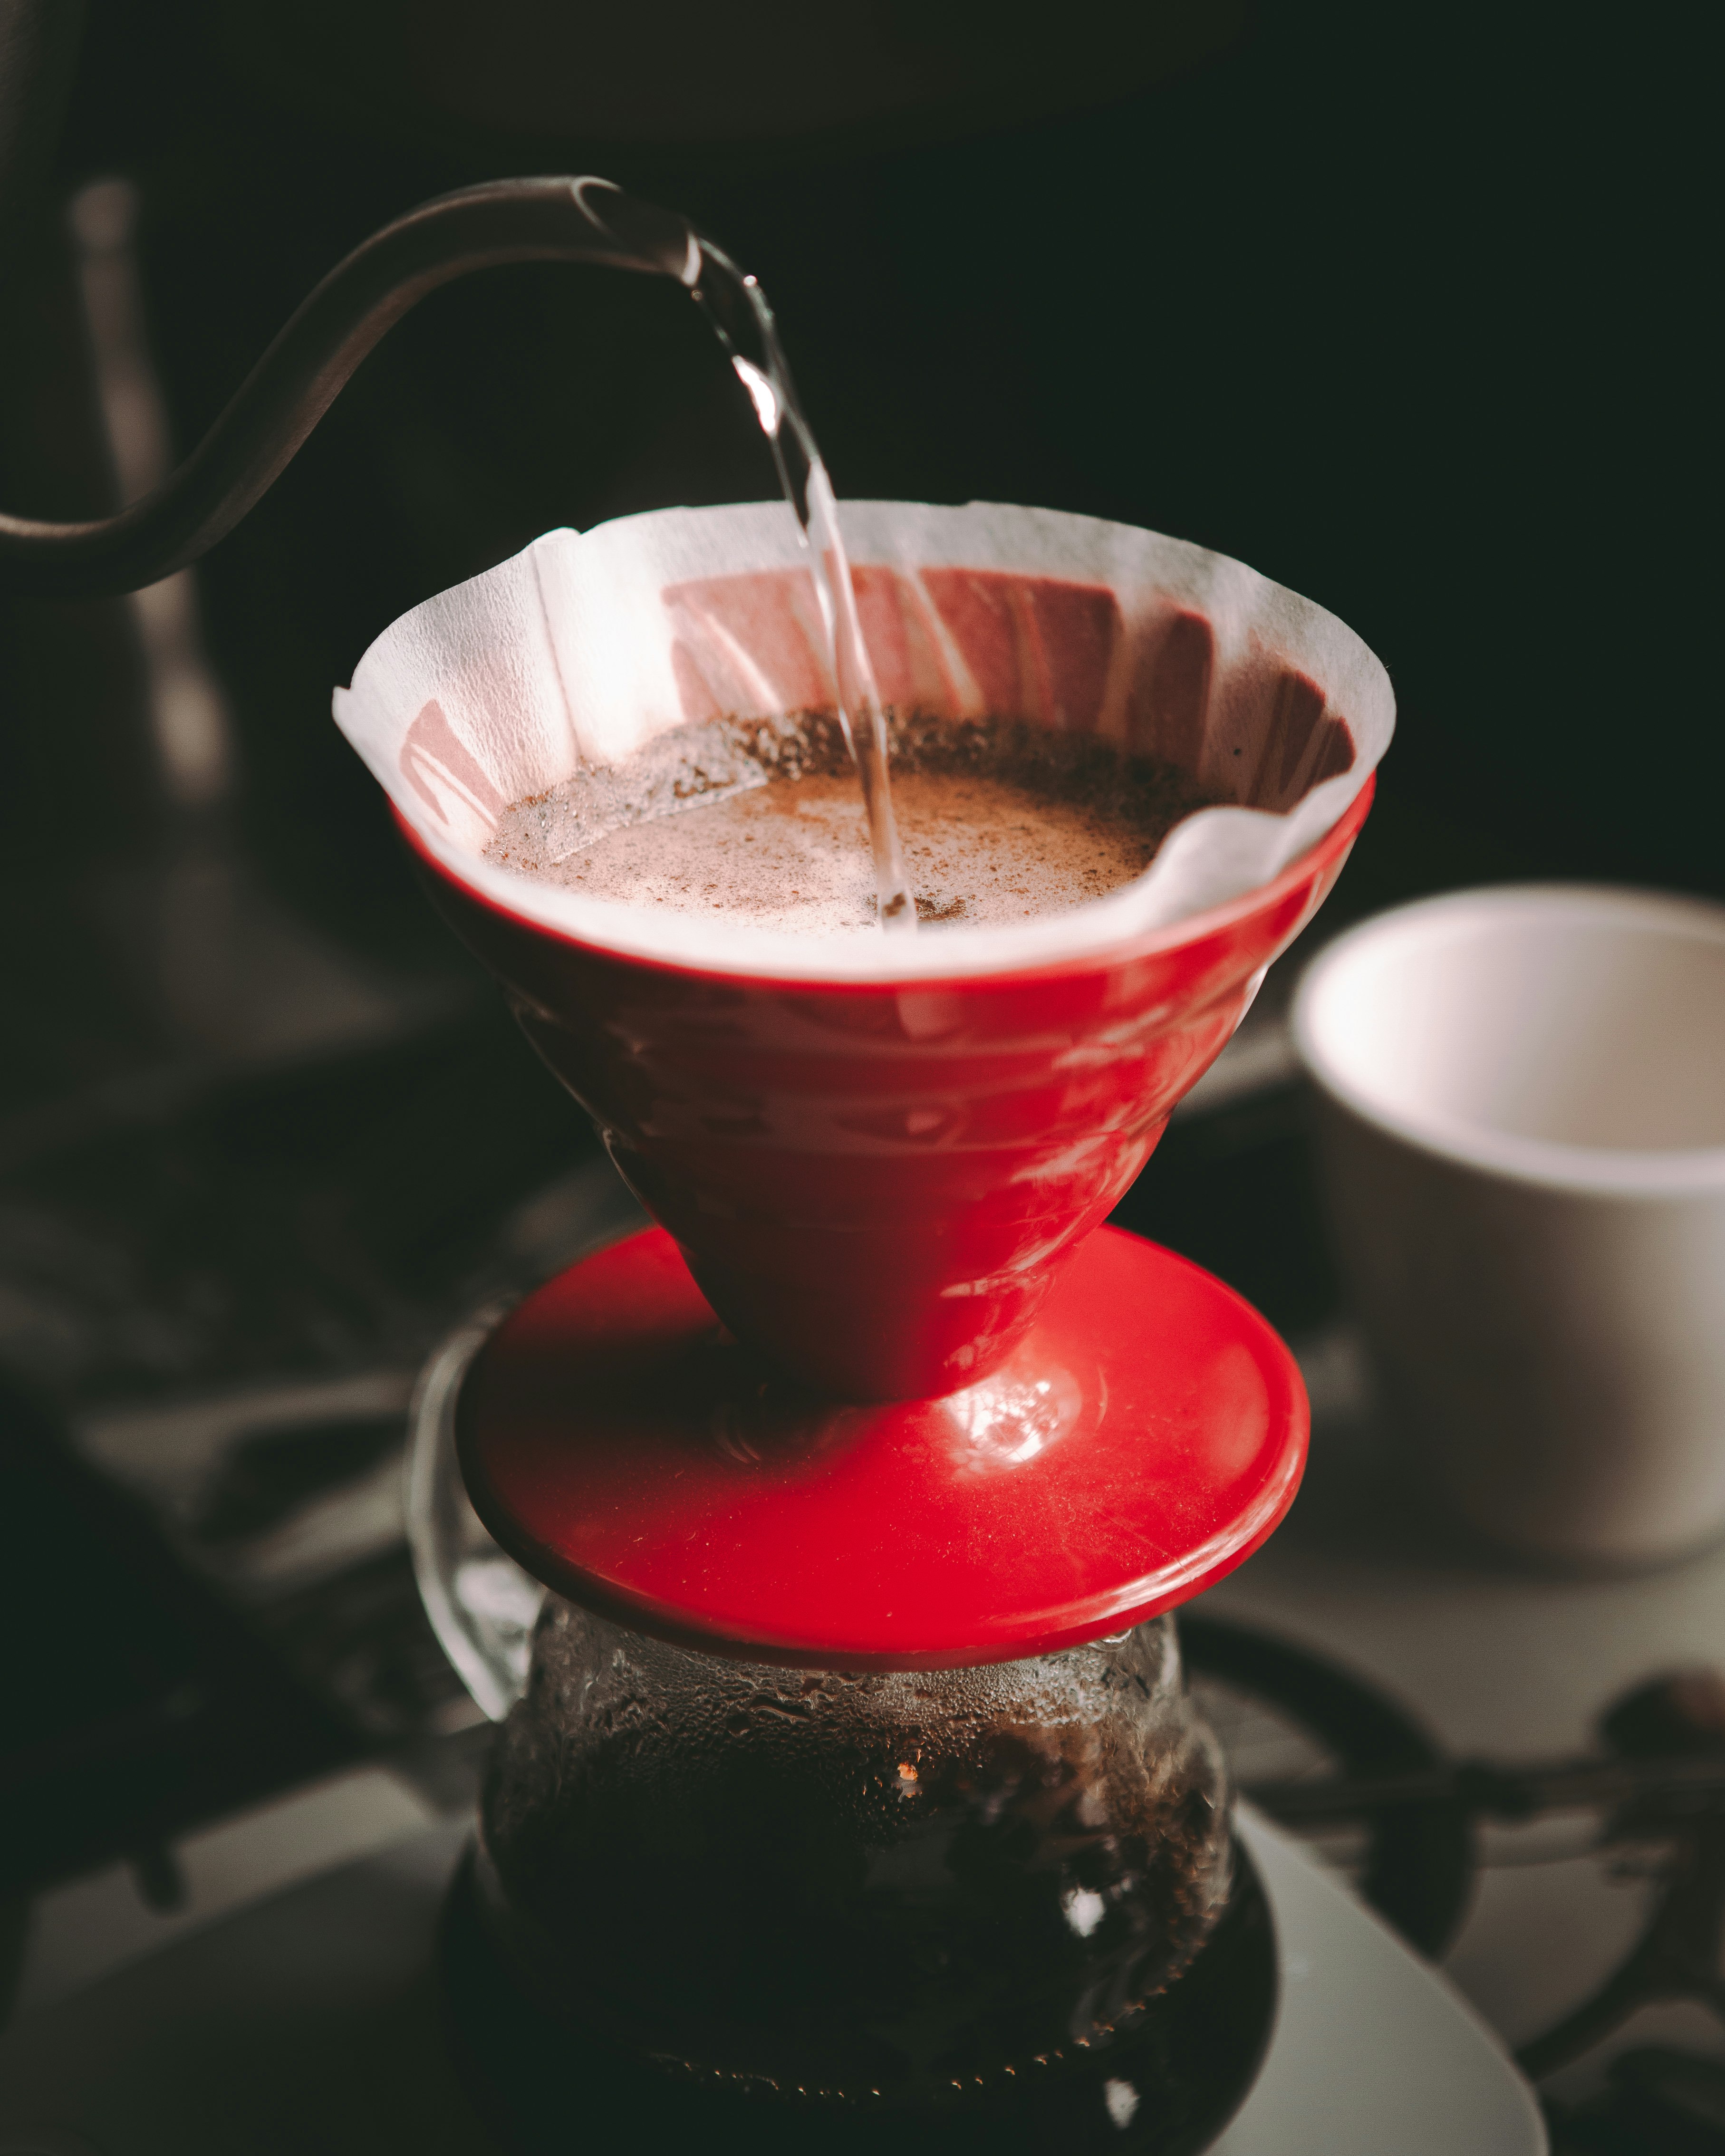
[{"x": 583, "y": 647}]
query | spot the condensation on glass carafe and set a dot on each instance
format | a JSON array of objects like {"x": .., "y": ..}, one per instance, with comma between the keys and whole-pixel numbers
[{"x": 875, "y": 1887}]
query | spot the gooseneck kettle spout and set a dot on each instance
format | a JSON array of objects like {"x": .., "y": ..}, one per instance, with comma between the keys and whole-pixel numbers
[{"x": 557, "y": 219}]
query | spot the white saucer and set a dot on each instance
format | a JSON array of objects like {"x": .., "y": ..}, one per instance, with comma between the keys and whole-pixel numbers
[
  {"x": 1373, "y": 2053},
  {"x": 305, "y": 2025}
]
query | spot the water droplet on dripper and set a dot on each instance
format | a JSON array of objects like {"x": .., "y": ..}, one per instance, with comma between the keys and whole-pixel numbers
[{"x": 743, "y": 322}]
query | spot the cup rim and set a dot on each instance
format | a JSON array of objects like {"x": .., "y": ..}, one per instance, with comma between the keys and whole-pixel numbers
[
  {"x": 1330, "y": 848},
  {"x": 1583, "y": 1171}
]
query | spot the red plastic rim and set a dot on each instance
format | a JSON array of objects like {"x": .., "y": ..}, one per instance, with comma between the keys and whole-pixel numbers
[{"x": 1143, "y": 1440}]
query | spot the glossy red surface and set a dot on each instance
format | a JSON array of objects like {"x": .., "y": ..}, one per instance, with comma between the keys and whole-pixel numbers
[
  {"x": 1145, "y": 1437},
  {"x": 877, "y": 1183}
]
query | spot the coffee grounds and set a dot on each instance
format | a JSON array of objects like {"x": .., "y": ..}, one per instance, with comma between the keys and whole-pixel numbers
[{"x": 1000, "y": 821}]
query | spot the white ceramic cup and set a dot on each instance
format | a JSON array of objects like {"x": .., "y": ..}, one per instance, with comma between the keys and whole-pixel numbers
[{"x": 1521, "y": 1134}]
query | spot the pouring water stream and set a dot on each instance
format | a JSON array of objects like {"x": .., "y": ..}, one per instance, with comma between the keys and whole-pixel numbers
[{"x": 737, "y": 308}]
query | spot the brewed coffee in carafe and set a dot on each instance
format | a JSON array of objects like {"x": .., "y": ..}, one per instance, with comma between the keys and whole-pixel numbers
[{"x": 992, "y": 1907}]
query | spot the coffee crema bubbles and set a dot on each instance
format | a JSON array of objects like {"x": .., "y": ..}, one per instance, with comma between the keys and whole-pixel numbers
[{"x": 764, "y": 820}]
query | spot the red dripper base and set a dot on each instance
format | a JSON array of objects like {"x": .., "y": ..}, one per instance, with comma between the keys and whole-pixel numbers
[{"x": 1142, "y": 1440}]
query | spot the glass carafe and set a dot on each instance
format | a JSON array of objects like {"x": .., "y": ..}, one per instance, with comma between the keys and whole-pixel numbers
[{"x": 1000, "y": 1901}]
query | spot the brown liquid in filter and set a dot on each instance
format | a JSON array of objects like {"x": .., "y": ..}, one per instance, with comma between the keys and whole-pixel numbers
[{"x": 1000, "y": 822}]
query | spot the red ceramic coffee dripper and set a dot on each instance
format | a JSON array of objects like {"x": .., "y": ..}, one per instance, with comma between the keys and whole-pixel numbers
[{"x": 874, "y": 1395}]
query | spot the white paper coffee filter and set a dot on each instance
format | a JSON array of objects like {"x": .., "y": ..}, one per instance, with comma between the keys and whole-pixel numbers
[{"x": 585, "y": 646}]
